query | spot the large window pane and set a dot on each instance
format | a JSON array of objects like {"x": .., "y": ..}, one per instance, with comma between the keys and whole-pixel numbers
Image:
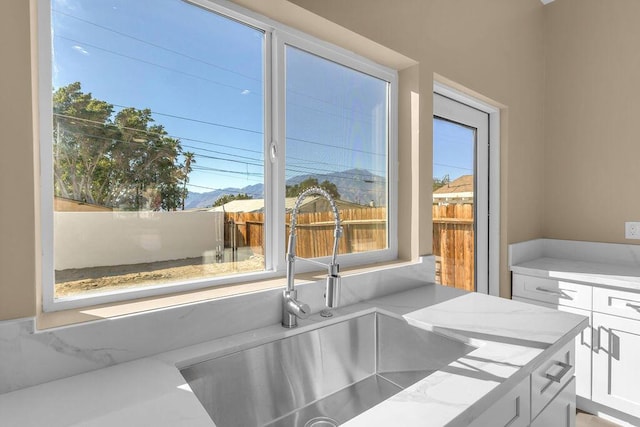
[
  {"x": 454, "y": 146},
  {"x": 336, "y": 137},
  {"x": 157, "y": 145}
]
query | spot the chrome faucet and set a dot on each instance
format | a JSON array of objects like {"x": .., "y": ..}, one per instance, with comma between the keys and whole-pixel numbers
[{"x": 292, "y": 309}]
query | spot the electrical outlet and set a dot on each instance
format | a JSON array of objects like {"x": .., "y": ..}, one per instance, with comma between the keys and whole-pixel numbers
[{"x": 632, "y": 230}]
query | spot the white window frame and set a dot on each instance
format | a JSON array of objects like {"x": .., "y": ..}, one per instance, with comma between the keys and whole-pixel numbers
[
  {"x": 487, "y": 165},
  {"x": 276, "y": 37}
]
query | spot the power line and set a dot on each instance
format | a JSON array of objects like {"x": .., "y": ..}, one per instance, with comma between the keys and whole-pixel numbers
[
  {"x": 219, "y": 152},
  {"x": 148, "y": 132},
  {"x": 306, "y": 169},
  {"x": 175, "y": 52},
  {"x": 253, "y": 131},
  {"x": 226, "y": 146},
  {"x": 452, "y": 166},
  {"x": 201, "y": 61},
  {"x": 74, "y": 132},
  {"x": 199, "y": 121},
  {"x": 334, "y": 146},
  {"x": 201, "y": 186},
  {"x": 204, "y": 168},
  {"x": 153, "y": 64}
]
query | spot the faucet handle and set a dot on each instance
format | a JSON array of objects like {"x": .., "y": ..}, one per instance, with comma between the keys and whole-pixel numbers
[
  {"x": 332, "y": 291},
  {"x": 297, "y": 308}
]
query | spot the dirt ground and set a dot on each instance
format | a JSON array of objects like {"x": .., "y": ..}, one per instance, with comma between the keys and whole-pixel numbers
[{"x": 102, "y": 279}]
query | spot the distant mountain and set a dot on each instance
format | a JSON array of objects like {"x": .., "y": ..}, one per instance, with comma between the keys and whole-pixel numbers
[
  {"x": 205, "y": 200},
  {"x": 354, "y": 185}
]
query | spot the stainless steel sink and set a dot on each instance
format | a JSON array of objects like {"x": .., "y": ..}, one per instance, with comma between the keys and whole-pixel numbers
[{"x": 322, "y": 377}]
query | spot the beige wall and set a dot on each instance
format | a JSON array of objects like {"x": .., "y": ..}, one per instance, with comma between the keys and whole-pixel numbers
[
  {"x": 592, "y": 151},
  {"x": 17, "y": 211},
  {"x": 493, "y": 47}
]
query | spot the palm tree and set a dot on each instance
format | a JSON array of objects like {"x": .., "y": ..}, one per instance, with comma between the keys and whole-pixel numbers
[{"x": 189, "y": 159}]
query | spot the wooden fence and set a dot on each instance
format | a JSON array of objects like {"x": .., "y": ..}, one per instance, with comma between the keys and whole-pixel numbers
[
  {"x": 453, "y": 245},
  {"x": 364, "y": 229}
]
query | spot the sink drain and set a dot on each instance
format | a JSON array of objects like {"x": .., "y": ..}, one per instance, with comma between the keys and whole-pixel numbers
[{"x": 321, "y": 422}]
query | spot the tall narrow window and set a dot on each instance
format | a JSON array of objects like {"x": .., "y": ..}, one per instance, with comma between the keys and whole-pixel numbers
[
  {"x": 158, "y": 124},
  {"x": 337, "y": 134},
  {"x": 460, "y": 195}
]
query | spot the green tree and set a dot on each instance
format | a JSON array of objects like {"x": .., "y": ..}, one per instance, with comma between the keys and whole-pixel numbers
[
  {"x": 440, "y": 182},
  {"x": 122, "y": 161},
  {"x": 226, "y": 198},
  {"x": 189, "y": 159},
  {"x": 83, "y": 138},
  {"x": 295, "y": 189}
]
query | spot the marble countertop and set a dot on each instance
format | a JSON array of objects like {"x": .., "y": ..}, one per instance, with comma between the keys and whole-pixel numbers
[
  {"x": 595, "y": 273},
  {"x": 512, "y": 338}
]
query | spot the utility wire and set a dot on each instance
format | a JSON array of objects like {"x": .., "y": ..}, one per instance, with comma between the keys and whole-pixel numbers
[
  {"x": 203, "y": 62},
  {"x": 452, "y": 166},
  {"x": 151, "y": 63},
  {"x": 206, "y": 142},
  {"x": 199, "y": 121},
  {"x": 306, "y": 169},
  {"x": 175, "y": 52}
]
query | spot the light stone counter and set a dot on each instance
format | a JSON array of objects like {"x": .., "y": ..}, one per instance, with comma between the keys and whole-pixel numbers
[
  {"x": 593, "y": 273},
  {"x": 599, "y": 264},
  {"x": 511, "y": 339}
]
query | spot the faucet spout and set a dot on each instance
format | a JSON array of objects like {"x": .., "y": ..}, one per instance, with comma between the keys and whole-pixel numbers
[{"x": 290, "y": 306}]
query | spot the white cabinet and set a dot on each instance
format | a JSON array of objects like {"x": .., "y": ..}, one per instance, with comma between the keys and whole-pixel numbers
[
  {"x": 561, "y": 412},
  {"x": 608, "y": 352},
  {"x": 550, "y": 377},
  {"x": 616, "y": 376},
  {"x": 510, "y": 410},
  {"x": 551, "y": 291},
  {"x": 582, "y": 348},
  {"x": 617, "y": 302},
  {"x": 544, "y": 396}
]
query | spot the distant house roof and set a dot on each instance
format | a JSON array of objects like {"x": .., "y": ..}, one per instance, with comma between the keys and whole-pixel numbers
[
  {"x": 309, "y": 204},
  {"x": 458, "y": 190},
  {"x": 248, "y": 205}
]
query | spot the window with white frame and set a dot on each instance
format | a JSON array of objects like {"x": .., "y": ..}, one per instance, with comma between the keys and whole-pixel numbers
[{"x": 155, "y": 125}]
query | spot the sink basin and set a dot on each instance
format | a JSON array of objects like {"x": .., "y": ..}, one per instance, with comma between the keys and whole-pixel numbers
[{"x": 321, "y": 377}]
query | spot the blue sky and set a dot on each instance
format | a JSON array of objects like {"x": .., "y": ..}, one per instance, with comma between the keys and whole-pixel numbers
[
  {"x": 201, "y": 75},
  {"x": 453, "y": 149}
]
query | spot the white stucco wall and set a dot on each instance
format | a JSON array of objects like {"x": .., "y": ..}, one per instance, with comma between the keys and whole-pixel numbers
[{"x": 91, "y": 239}]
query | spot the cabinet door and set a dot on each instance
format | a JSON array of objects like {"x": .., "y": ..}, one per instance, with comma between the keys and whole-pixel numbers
[
  {"x": 511, "y": 410},
  {"x": 616, "y": 377},
  {"x": 561, "y": 412},
  {"x": 583, "y": 348}
]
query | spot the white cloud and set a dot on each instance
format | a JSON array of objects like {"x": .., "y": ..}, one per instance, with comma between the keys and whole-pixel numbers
[
  {"x": 245, "y": 92},
  {"x": 80, "y": 49}
]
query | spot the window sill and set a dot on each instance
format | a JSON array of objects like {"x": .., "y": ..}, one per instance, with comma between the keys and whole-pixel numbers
[{"x": 126, "y": 308}]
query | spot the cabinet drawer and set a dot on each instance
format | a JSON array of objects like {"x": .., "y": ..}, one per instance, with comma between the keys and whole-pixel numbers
[
  {"x": 511, "y": 410},
  {"x": 617, "y": 302},
  {"x": 552, "y": 291},
  {"x": 561, "y": 412},
  {"x": 551, "y": 376},
  {"x": 583, "y": 348}
]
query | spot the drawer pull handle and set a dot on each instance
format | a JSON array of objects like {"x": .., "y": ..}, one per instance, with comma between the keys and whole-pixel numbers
[
  {"x": 549, "y": 291},
  {"x": 634, "y": 306},
  {"x": 558, "y": 377}
]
